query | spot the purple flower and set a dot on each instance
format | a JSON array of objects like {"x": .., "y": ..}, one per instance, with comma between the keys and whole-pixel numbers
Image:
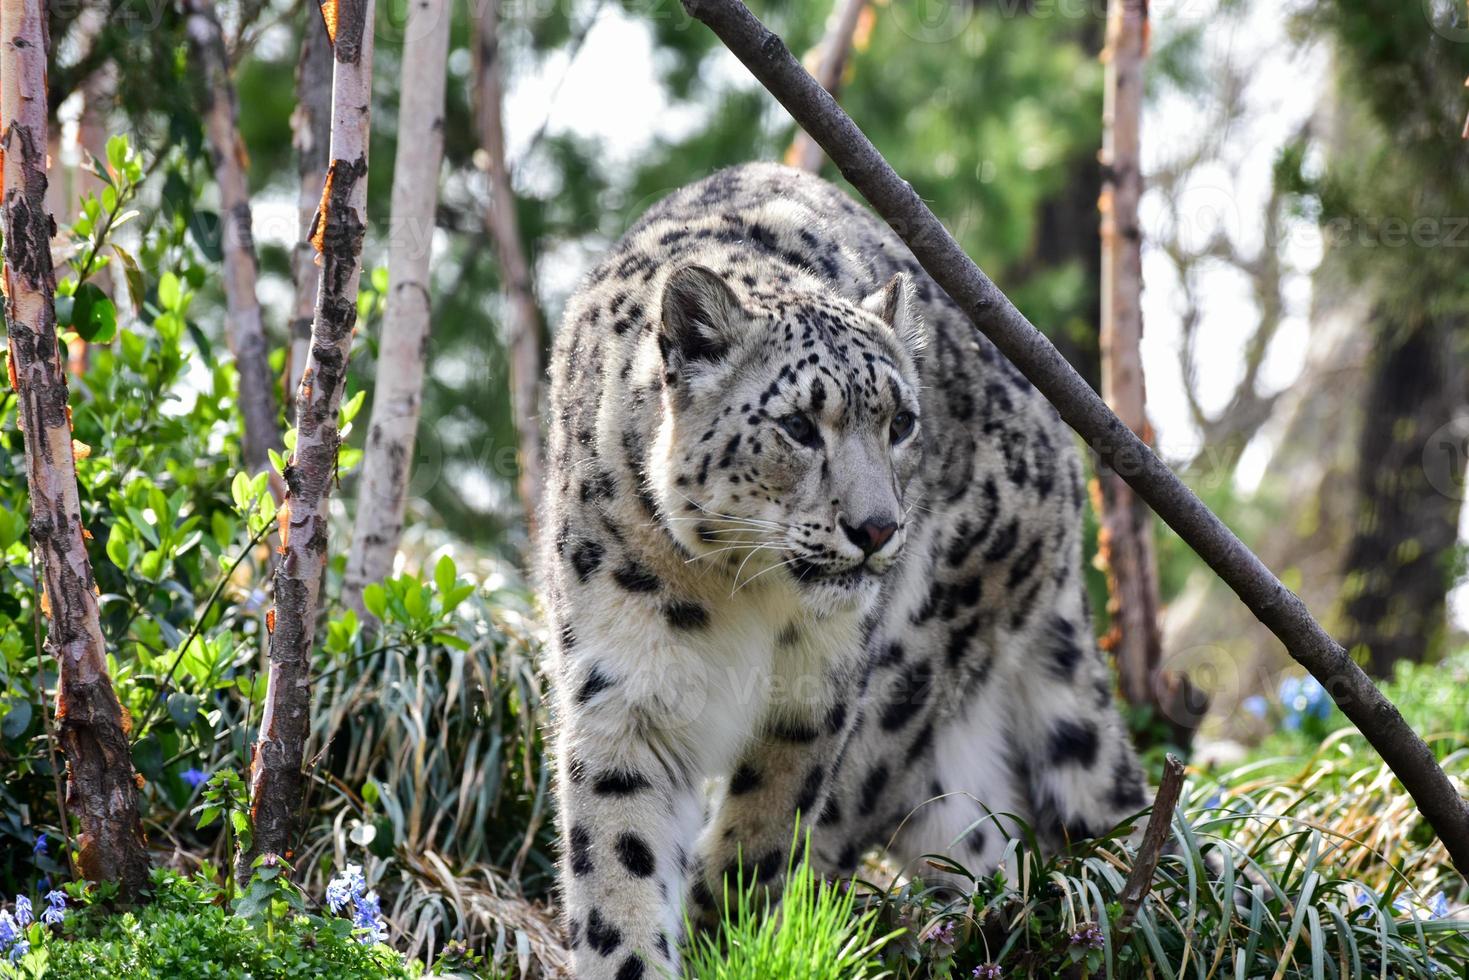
[
  {"x": 194, "y": 776},
  {"x": 942, "y": 933},
  {"x": 988, "y": 971},
  {"x": 1438, "y": 906},
  {"x": 41, "y": 846},
  {"x": 1089, "y": 935},
  {"x": 23, "y": 915},
  {"x": 20, "y": 948},
  {"x": 55, "y": 908},
  {"x": 9, "y": 929}
]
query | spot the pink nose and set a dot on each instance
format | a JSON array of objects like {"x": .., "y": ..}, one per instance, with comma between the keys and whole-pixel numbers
[{"x": 871, "y": 534}]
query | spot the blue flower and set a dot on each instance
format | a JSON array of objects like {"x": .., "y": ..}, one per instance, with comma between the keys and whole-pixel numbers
[
  {"x": 9, "y": 929},
  {"x": 345, "y": 887},
  {"x": 194, "y": 776},
  {"x": 41, "y": 846},
  {"x": 1256, "y": 705},
  {"x": 367, "y": 917},
  {"x": 23, "y": 915},
  {"x": 1438, "y": 906},
  {"x": 988, "y": 971},
  {"x": 21, "y": 948},
  {"x": 55, "y": 908}
]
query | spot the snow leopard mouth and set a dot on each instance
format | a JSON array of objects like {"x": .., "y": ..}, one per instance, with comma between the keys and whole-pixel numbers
[{"x": 810, "y": 573}]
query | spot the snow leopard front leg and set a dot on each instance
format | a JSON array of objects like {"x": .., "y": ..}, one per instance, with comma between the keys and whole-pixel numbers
[
  {"x": 628, "y": 786},
  {"x": 1080, "y": 772},
  {"x": 782, "y": 776}
]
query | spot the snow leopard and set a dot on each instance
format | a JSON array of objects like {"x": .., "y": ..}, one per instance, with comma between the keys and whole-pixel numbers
[{"x": 812, "y": 563}]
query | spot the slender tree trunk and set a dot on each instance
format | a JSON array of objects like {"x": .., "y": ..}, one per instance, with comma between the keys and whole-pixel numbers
[
  {"x": 278, "y": 782},
  {"x": 311, "y": 128},
  {"x": 1399, "y": 564},
  {"x": 403, "y": 351},
  {"x": 525, "y": 316},
  {"x": 1125, "y": 541},
  {"x": 246, "y": 329},
  {"x": 836, "y": 49},
  {"x": 101, "y": 788}
]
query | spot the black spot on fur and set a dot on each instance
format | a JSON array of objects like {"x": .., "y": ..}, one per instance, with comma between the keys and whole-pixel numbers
[
  {"x": 744, "y": 780},
  {"x": 586, "y": 558},
  {"x": 836, "y": 718},
  {"x": 910, "y": 695},
  {"x": 635, "y": 855},
  {"x": 595, "y": 684},
  {"x": 602, "y": 935},
  {"x": 872, "y": 787},
  {"x": 619, "y": 783},
  {"x": 581, "y": 851},
  {"x": 791, "y": 731},
  {"x": 686, "y": 615},
  {"x": 1074, "y": 743},
  {"x": 810, "y": 789},
  {"x": 636, "y": 578}
]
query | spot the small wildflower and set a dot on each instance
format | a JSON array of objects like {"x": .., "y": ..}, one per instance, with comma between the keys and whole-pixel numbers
[
  {"x": 1089, "y": 935},
  {"x": 988, "y": 971},
  {"x": 55, "y": 908},
  {"x": 942, "y": 933},
  {"x": 194, "y": 777},
  {"x": 9, "y": 929},
  {"x": 345, "y": 887},
  {"x": 21, "y": 948},
  {"x": 23, "y": 914},
  {"x": 1256, "y": 705},
  {"x": 367, "y": 916},
  {"x": 41, "y": 846},
  {"x": 1438, "y": 906}
]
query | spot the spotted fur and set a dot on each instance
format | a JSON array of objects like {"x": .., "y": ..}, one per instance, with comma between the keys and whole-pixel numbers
[{"x": 811, "y": 546}]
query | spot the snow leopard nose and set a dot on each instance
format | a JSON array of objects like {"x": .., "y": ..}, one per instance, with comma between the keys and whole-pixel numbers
[{"x": 871, "y": 534}]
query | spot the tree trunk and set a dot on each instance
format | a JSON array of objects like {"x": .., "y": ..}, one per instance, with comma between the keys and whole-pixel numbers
[
  {"x": 1399, "y": 564},
  {"x": 311, "y": 128},
  {"x": 524, "y": 333},
  {"x": 835, "y": 50},
  {"x": 102, "y": 788},
  {"x": 1125, "y": 541},
  {"x": 278, "y": 783},
  {"x": 403, "y": 351},
  {"x": 246, "y": 330}
]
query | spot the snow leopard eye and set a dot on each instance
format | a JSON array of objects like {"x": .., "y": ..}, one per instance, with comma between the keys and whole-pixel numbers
[
  {"x": 902, "y": 426},
  {"x": 800, "y": 428}
]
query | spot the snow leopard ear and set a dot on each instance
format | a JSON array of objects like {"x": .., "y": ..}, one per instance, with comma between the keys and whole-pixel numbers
[
  {"x": 701, "y": 317},
  {"x": 893, "y": 305}
]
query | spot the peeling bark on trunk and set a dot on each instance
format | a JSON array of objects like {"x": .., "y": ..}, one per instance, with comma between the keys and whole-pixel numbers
[
  {"x": 1125, "y": 544},
  {"x": 101, "y": 787},
  {"x": 835, "y": 50},
  {"x": 525, "y": 329},
  {"x": 246, "y": 329},
  {"x": 277, "y": 780},
  {"x": 311, "y": 129},
  {"x": 403, "y": 351}
]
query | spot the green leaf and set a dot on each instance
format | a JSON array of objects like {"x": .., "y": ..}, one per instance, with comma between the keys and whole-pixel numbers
[
  {"x": 137, "y": 285},
  {"x": 207, "y": 816},
  {"x": 375, "y": 600},
  {"x": 240, "y": 491},
  {"x": 352, "y": 406},
  {"x": 183, "y": 708},
  {"x": 94, "y": 317},
  {"x": 380, "y": 279},
  {"x": 17, "y": 719},
  {"x": 117, "y": 152},
  {"x": 208, "y": 233},
  {"x": 444, "y": 575},
  {"x": 170, "y": 291},
  {"x": 117, "y": 546}
]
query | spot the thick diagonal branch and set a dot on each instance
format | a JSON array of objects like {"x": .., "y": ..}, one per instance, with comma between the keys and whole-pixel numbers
[{"x": 1028, "y": 349}]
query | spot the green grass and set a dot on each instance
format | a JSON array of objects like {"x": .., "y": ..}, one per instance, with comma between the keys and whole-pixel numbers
[{"x": 816, "y": 935}]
